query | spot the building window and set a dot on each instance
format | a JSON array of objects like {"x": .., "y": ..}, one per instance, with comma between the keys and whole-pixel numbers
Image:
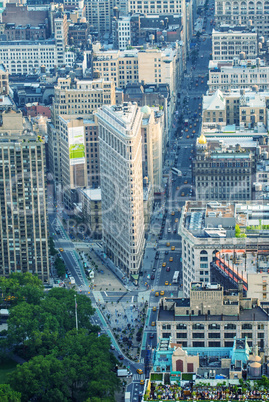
[
  {"x": 198, "y": 344},
  {"x": 181, "y": 326},
  {"x": 198, "y": 335},
  {"x": 215, "y": 335},
  {"x": 229, "y": 335},
  {"x": 246, "y": 326},
  {"x": 213, "y": 326},
  {"x": 229, "y": 326},
  {"x": 214, "y": 344},
  {"x": 198, "y": 326},
  {"x": 181, "y": 334}
]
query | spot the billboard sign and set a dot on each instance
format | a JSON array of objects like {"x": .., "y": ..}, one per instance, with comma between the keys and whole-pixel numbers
[{"x": 76, "y": 145}]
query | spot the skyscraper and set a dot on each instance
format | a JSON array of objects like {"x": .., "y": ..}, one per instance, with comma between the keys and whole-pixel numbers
[
  {"x": 122, "y": 185},
  {"x": 23, "y": 216}
]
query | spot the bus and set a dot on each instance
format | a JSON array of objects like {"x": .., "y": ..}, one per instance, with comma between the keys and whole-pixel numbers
[
  {"x": 176, "y": 277},
  {"x": 176, "y": 171}
]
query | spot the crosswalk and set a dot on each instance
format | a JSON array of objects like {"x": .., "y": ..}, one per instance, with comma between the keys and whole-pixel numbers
[{"x": 138, "y": 377}]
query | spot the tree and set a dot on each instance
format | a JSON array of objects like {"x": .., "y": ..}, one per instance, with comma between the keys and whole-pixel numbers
[
  {"x": 78, "y": 368},
  {"x": 7, "y": 394},
  {"x": 21, "y": 287},
  {"x": 52, "y": 248},
  {"x": 42, "y": 378},
  {"x": 60, "y": 267},
  {"x": 35, "y": 328}
]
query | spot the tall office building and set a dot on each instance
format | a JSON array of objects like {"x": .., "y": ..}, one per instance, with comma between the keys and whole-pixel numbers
[
  {"x": 122, "y": 185},
  {"x": 23, "y": 216}
]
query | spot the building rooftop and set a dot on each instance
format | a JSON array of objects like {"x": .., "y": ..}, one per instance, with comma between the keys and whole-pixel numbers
[
  {"x": 94, "y": 194},
  {"x": 217, "y": 66},
  {"x": 254, "y": 314},
  {"x": 232, "y": 131}
]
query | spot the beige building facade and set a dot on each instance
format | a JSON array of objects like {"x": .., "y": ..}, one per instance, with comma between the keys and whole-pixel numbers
[
  {"x": 230, "y": 44},
  {"x": 236, "y": 75},
  {"x": 212, "y": 318},
  {"x": 122, "y": 186},
  {"x": 240, "y": 13},
  {"x": 81, "y": 97}
]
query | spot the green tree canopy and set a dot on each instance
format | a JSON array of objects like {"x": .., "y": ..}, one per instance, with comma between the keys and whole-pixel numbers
[
  {"x": 7, "y": 394},
  {"x": 36, "y": 327},
  {"x": 79, "y": 367}
]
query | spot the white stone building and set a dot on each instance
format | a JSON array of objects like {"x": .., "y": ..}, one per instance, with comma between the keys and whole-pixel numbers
[{"x": 122, "y": 185}]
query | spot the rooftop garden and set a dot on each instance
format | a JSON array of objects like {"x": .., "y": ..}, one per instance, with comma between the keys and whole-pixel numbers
[{"x": 244, "y": 391}]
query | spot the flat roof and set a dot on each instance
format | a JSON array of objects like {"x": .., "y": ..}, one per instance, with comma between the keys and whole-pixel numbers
[
  {"x": 93, "y": 193},
  {"x": 254, "y": 314}
]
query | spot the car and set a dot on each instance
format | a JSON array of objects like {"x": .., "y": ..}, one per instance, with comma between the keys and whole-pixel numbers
[
  {"x": 139, "y": 371},
  {"x": 168, "y": 244},
  {"x": 142, "y": 382},
  {"x": 61, "y": 249},
  {"x": 157, "y": 294},
  {"x": 172, "y": 213},
  {"x": 177, "y": 187},
  {"x": 166, "y": 252},
  {"x": 151, "y": 335},
  {"x": 153, "y": 269},
  {"x": 120, "y": 357},
  {"x": 171, "y": 259},
  {"x": 176, "y": 220},
  {"x": 153, "y": 325},
  {"x": 166, "y": 283},
  {"x": 188, "y": 137},
  {"x": 182, "y": 194},
  {"x": 173, "y": 248},
  {"x": 186, "y": 182},
  {"x": 152, "y": 277},
  {"x": 162, "y": 292},
  {"x": 154, "y": 308},
  {"x": 164, "y": 264},
  {"x": 112, "y": 347},
  {"x": 156, "y": 257},
  {"x": 167, "y": 269}
]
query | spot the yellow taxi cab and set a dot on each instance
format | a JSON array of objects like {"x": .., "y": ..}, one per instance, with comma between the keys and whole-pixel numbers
[
  {"x": 188, "y": 137},
  {"x": 61, "y": 249},
  {"x": 156, "y": 294},
  {"x": 154, "y": 308},
  {"x": 176, "y": 220},
  {"x": 182, "y": 194},
  {"x": 166, "y": 283},
  {"x": 142, "y": 382},
  {"x": 177, "y": 187},
  {"x": 168, "y": 244},
  {"x": 186, "y": 182},
  {"x": 171, "y": 259},
  {"x": 139, "y": 371},
  {"x": 173, "y": 248},
  {"x": 172, "y": 213},
  {"x": 164, "y": 264},
  {"x": 153, "y": 325},
  {"x": 190, "y": 126},
  {"x": 162, "y": 293}
]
